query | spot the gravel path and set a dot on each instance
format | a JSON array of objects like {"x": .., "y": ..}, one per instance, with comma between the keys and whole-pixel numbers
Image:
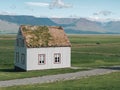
[{"x": 53, "y": 78}]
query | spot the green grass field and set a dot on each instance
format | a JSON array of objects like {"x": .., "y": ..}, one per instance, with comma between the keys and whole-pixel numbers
[
  {"x": 95, "y": 51},
  {"x": 87, "y": 52},
  {"x": 102, "y": 82}
]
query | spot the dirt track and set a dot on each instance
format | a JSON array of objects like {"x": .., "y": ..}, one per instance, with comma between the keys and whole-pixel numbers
[{"x": 53, "y": 78}]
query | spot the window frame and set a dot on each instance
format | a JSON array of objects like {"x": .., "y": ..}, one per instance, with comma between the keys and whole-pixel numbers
[
  {"x": 17, "y": 57},
  {"x": 22, "y": 43},
  {"x": 44, "y": 59},
  {"x": 19, "y": 33},
  {"x": 58, "y": 62},
  {"x": 17, "y": 42},
  {"x": 23, "y": 59}
]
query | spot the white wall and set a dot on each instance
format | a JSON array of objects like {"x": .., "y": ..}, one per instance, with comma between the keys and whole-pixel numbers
[{"x": 32, "y": 57}]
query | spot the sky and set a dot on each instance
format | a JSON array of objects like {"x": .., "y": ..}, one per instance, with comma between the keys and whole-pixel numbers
[{"x": 62, "y": 8}]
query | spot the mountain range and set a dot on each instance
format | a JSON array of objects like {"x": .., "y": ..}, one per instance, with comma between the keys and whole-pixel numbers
[{"x": 11, "y": 23}]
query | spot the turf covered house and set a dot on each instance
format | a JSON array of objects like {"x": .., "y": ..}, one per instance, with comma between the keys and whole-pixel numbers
[{"x": 42, "y": 47}]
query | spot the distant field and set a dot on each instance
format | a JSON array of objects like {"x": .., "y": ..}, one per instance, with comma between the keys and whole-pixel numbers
[
  {"x": 87, "y": 52},
  {"x": 95, "y": 50},
  {"x": 6, "y": 50},
  {"x": 102, "y": 82}
]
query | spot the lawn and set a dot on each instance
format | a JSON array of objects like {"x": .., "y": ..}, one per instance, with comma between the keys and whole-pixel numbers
[
  {"x": 102, "y": 82},
  {"x": 88, "y": 51},
  {"x": 95, "y": 50}
]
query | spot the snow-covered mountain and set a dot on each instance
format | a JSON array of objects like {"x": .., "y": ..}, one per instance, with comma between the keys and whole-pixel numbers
[{"x": 10, "y": 24}]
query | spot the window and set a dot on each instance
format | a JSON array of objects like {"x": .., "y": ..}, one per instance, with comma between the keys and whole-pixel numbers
[
  {"x": 41, "y": 58},
  {"x": 19, "y": 33},
  {"x": 17, "y": 57},
  {"x": 22, "y": 42},
  {"x": 57, "y": 58},
  {"x": 17, "y": 42},
  {"x": 22, "y": 58}
]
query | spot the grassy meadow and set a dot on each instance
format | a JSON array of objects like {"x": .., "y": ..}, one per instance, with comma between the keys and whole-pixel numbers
[
  {"x": 95, "y": 50},
  {"x": 88, "y": 51},
  {"x": 102, "y": 82}
]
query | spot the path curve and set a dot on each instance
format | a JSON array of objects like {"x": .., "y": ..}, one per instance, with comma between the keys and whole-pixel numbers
[{"x": 53, "y": 78}]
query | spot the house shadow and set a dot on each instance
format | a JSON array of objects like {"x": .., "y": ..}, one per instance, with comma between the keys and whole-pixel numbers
[
  {"x": 10, "y": 70},
  {"x": 111, "y": 67}
]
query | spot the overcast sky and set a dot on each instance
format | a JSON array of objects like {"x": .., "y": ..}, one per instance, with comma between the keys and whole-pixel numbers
[{"x": 62, "y": 8}]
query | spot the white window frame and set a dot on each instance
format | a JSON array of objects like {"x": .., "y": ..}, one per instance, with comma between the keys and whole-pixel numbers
[
  {"x": 57, "y": 58},
  {"x": 41, "y": 59}
]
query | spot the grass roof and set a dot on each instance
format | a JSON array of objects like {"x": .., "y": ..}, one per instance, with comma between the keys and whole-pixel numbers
[{"x": 44, "y": 36}]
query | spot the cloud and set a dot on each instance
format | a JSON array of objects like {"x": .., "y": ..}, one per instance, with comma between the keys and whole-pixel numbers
[
  {"x": 104, "y": 13},
  {"x": 39, "y": 4},
  {"x": 59, "y": 4},
  {"x": 6, "y": 13},
  {"x": 51, "y": 5}
]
